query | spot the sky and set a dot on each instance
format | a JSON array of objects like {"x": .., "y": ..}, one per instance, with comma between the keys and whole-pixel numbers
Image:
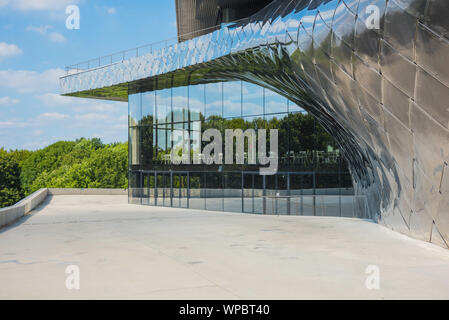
[{"x": 35, "y": 47}]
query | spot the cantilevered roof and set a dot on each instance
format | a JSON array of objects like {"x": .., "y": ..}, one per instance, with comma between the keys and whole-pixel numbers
[{"x": 108, "y": 77}]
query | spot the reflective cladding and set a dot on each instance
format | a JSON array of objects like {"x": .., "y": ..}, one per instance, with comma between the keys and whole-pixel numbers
[
  {"x": 306, "y": 151},
  {"x": 381, "y": 93}
]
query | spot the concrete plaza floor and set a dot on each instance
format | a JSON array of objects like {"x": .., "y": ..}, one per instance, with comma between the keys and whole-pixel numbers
[{"x": 135, "y": 252}]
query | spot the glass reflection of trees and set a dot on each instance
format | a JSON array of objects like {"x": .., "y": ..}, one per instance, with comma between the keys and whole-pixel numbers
[{"x": 302, "y": 141}]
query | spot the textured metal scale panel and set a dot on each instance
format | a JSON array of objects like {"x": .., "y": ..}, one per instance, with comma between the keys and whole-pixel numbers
[
  {"x": 383, "y": 94},
  {"x": 198, "y": 17}
]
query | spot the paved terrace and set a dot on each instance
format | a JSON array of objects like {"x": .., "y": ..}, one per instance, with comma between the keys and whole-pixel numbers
[{"x": 128, "y": 251}]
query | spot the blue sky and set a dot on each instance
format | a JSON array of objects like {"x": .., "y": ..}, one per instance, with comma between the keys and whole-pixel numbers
[{"x": 35, "y": 46}]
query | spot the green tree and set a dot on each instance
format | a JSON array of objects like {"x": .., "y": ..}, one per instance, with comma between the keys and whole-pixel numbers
[
  {"x": 84, "y": 167},
  {"x": 20, "y": 156},
  {"x": 10, "y": 191},
  {"x": 44, "y": 161}
]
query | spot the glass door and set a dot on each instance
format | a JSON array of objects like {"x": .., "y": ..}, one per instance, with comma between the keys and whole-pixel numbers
[
  {"x": 151, "y": 189},
  {"x": 253, "y": 193},
  {"x": 163, "y": 189},
  {"x": 148, "y": 191},
  {"x": 183, "y": 190},
  {"x": 248, "y": 193},
  {"x": 180, "y": 189},
  {"x": 145, "y": 190}
]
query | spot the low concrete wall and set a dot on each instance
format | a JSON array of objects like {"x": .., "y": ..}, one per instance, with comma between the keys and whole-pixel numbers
[
  {"x": 93, "y": 191},
  {"x": 9, "y": 214}
]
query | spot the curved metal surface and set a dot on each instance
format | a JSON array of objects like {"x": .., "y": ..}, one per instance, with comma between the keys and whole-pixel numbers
[
  {"x": 198, "y": 17},
  {"x": 383, "y": 93}
]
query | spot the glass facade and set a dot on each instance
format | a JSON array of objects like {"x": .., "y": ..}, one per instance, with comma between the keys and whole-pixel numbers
[{"x": 174, "y": 119}]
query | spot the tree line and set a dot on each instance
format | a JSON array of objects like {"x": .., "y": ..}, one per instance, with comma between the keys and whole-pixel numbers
[{"x": 84, "y": 163}]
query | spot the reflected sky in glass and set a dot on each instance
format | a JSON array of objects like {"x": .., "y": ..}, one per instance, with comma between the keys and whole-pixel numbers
[
  {"x": 253, "y": 96},
  {"x": 163, "y": 101},
  {"x": 232, "y": 99},
  {"x": 214, "y": 99}
]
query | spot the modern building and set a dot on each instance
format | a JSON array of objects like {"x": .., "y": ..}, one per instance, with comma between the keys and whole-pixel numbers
[{"x": 365, "y": 80}]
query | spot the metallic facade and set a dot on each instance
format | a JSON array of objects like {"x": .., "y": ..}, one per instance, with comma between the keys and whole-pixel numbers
[
  {"x": 198, "y": 17},
  {"x": 382, "y": 93}
]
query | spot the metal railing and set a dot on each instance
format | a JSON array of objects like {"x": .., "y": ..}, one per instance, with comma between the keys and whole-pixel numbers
[
  {"x": 135, "y": 52},
  {"x": 119, "y": 56}
]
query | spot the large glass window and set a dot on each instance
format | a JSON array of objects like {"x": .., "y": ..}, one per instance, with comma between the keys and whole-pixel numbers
[
  {"x": 214, "y": 191},
  {"x": 232, "y": 193},
  {"x": 196, "y": 101},
  {"x": 253, "y": 99},
  {"x": 148, "y": 108},
  {"x": 274, "y": 103},
  {"x": 311, "y": 177},
  {"x": 163, "y": 105},
  {"x": 135, "y": 188},
  {"x": 146, "y": 145},
  {"x": 214, "y": 99},
  {"x": 197, "y": 187},
  {"x": 134, "y": 109},
  {"x": 232, "y": 99},
  {"x": 197, "y": 106},
  {"x": 180, "y": 104},
  {"x": 248, "y": 192},
  {"x": 163, "y": 143},
  {"x": 134, "y": 146}
]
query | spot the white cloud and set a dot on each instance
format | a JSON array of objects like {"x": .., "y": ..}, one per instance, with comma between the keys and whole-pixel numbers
[
  {"x": 54, "y": 99},
  {"x": 92, "y": 116},
  {"x": 80, "y": 105},
  {"x": 42, "y": 29},
  {"x": 57, "y": 37},
  {"x": 25, "y": 81},
  {"x": 14, "y": 123},
  {"x": 111, "y": 10},
  {"x": 53, "y": 116},
  {"x": 8, "y": 50},
  {"x": 6, "y": 124},
  {"x": 7, "y": 101},
  {"x": 30, "y": 5}
]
